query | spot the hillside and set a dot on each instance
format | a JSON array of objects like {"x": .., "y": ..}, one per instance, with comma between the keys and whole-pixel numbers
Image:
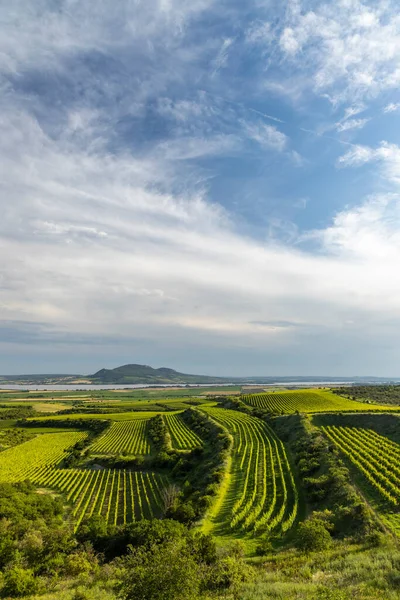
[{"x": 142, "y": 374}]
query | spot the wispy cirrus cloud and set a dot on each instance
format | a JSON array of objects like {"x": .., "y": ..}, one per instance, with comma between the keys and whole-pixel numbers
[
  {"x": 351, "y": 124},
  {"x": 266, "y": 135},
  {"x": 347, "y": 51},
  {"x": 391, "y": 107}
]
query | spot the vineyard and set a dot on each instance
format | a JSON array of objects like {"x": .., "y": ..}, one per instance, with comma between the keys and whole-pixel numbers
[
  {"x": 255, "y": 492},
  {"x": 182, "y": 437},
  {"x": 261, "y": 494},
  {"x": 378, "y": 460},
  {"x": 124, "y": 437},
  {"x": 120, "y": 496},
  {"x": 23, "y": 461},
  {"x": 306, "y": 401}
]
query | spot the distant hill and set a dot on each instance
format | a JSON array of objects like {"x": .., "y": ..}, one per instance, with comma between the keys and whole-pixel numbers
[{"x": 143, "y": 374}]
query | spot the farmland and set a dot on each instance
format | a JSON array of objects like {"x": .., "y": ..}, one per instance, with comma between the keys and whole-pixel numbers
[
  {"x": 119, "y": 496},
  {"x": 182, "y": 438},
  {"x": 261, "y": 494},
  {"x": 377, "y": 459},
  {"x": 252, "y": 470},
  {"x": 128, "y": 437},
  {"x": 27, "y": 459},
  {"x": 308, "y": 401}
]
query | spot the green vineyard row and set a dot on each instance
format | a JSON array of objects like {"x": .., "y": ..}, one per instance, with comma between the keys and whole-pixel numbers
[
  {"x": 120, "y": 496},
  {"x": 375, "y": 456},
  {"x": 124, "y": 437},
  {"x": 20, "y": 462},
  {"x": 182, "y": 437},
  {"x": 262, "y": 494},
  {"x": 307, "y": 402}
]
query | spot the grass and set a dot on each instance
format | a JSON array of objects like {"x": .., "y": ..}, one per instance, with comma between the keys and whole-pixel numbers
[{"x": 346, "y": 572}]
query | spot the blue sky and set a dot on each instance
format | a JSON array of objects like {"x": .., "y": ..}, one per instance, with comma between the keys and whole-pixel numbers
[{"x": 210, "y": 186}]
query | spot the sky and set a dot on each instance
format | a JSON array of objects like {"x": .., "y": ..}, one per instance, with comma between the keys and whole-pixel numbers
[{"x": 206, "y": 185}]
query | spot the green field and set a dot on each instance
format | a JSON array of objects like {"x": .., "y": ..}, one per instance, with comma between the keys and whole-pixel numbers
[
  {"x": 260, "y": 494},
  {"x": 124, "y": 437},
  {"x": 182, "y": 438},
  {"x": 377, "y": 459},
  {"x": 309, "y": 401},
  {"x": 120, "y": 496},
  {"x": 257, "y": 490},
  {"x": 251, "y": 472},
  {"x": 122, "y": 416},
  {"x": 30, "y": 458}
]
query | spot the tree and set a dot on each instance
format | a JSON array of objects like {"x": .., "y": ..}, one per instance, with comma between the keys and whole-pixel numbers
[{"x": 170, "y": 496}]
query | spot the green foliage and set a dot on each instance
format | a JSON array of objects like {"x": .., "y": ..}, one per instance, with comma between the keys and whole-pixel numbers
[
  {"x": 383, "y": 394},
  {"x": 162, "y": 572},
  {"x": 325, "y": 478},
  {"x": 124, "y": 437},
  {"x": 159, "y": 435},
  {"x": 313, "y": 535},
  {"x": 181, "y": 436},
  {"x": 201, "y": 471},
  {"x": 16, "y": 412},
  {"x": 266, "y": 495},
  {"x": 19, "y": 582},
  {"x": 94, "y": 426},
  {"x": 13, "y": 437}
]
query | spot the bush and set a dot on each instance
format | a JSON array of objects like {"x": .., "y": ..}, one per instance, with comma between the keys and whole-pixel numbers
[
  {"x": 161, "y": 572},
  {"x": 312, "y": 535},
  {"x": 19, "y": 582}
]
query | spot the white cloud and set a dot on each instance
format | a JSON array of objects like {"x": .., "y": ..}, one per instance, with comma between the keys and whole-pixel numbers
[
  {"x": 351, "y": 124},
  {"x": 221, "y": 59},
  {"x": 191, "y": 268},
  {"x": 392, "y": 107},
  {"x": 260, "y": 33},
  {"x": 387, "y": 154},
  {"x": 351, "y": 111},
  {"x": 267, "y": 136},
  {"x": 351, "y": 51}
]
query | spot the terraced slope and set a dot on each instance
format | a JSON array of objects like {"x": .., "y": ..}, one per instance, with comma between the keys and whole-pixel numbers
[
  {"x": 261, "y": 494},
  {"x": 182, "y": 437},
  {"x": 377, "y": 459},
  {"x": 308, "y": 401}
]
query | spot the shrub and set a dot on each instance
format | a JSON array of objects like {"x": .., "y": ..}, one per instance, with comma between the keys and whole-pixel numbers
[
  {"x": 161, "y": 572},
  {"x": 19, "y": 582},
  {"x": 312, "y": 535}
]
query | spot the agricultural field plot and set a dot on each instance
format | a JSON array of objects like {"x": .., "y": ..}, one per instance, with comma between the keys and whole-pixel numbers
[
  {"x": 182, "y": 437},
  {"x": 261, "y": 494},
  {"x": 128, "y": 437},
  {"x": 120, "y": 496},
  {"x": 121, "y": 416},
  {"x": 378, "y": 460},
  {"x": 24, "y": 461},
  {"x": 309, "y": 401}
]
